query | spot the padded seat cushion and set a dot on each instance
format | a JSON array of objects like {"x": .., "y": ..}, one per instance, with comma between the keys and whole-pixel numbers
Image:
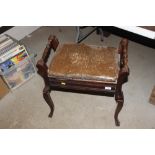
[{"x": 80, "y": 61}]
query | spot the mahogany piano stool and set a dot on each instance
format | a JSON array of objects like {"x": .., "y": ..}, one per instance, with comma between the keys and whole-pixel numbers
[{"x": 85, "y": 68}]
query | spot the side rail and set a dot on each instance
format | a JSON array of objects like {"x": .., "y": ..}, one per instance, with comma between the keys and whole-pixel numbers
[
  {"x": 123, "y": 51},
  {"x": 41, "y": 64}
]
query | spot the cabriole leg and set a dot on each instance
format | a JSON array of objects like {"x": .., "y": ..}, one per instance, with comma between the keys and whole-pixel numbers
[
  {"x": 47, "y": 97},
  {"x": 120, "y": 100}
]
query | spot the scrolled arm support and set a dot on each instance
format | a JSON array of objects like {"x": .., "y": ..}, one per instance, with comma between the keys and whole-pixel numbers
[
  {"x": 123, "y": 51},
  {"x": 42, "y": 68},
  {"x": 41, "y": 64},
  {"x": 52, "y": 44},
  {"x": 124, "y": 69}
]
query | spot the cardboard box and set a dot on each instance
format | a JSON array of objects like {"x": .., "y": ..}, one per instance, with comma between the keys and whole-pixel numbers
[
  {"x": 152, "y": 97},
  {"x": 3, "y": 88}
]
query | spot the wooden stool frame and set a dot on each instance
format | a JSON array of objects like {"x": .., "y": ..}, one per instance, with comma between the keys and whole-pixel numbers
[{"x": 55, "y": 83}]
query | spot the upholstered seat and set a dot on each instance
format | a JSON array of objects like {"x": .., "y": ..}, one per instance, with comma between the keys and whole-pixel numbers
[
  {"x": 80, "y": 61},
  {"x": 84, "y": 68}
]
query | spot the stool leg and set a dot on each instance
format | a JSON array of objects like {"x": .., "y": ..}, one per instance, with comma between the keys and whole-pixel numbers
[
  {"x": 120, "y": 100},
  {"x": 47, "y": 97}
]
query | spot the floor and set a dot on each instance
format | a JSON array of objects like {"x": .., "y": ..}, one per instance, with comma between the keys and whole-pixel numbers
[{"x": 25, "y": 107}]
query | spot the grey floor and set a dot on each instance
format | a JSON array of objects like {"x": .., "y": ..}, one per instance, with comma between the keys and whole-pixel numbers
[{"x": 25, "y": 107}]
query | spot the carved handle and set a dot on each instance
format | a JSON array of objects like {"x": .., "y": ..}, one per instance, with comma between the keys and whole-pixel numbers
[
  {"x": 52, "y": 44},
  {"x": 123, "y": 51},
  {"x": 41, "y": 64}
]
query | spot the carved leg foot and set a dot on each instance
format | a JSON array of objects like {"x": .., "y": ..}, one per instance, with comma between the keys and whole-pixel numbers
[
  {"x": 47, "y": 97},
  {"x": 120, "y": 100}
]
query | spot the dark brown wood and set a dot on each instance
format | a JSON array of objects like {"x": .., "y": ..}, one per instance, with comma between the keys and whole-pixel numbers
[
  {"x": 123, "y": 74},
  {"x": 97, "y": 84},
  {"x": 84, "y": 85},
  {"x": 47, "y": 97},
  {"x": 119, "y": 97},
  {"x": 52, "y": 44},
  {"x": 43, "y": 70}
]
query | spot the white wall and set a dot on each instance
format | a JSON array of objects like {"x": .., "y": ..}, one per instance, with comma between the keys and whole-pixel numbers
[{"x": 19, "y": 32}]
